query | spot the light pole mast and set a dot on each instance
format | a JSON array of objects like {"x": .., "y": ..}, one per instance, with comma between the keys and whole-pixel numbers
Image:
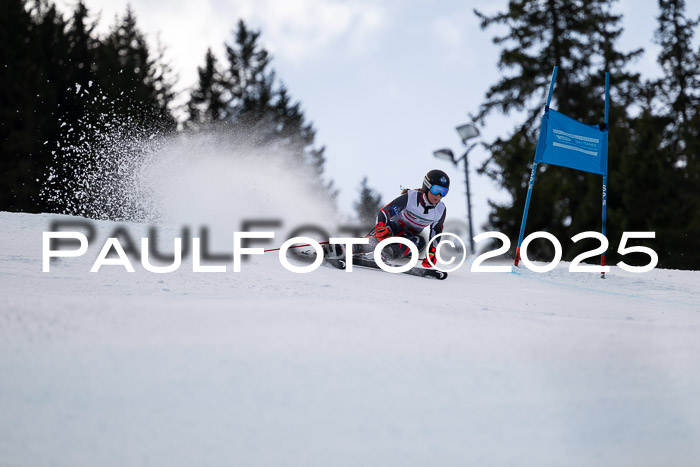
[{"x": 466, "y": 132}]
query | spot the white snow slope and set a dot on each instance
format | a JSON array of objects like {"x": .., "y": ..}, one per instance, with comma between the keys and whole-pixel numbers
[{"x": 332, "y": 368}]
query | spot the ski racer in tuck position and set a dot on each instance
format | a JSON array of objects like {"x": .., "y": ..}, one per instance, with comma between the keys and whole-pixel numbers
[{"x": 409, "y": 214}]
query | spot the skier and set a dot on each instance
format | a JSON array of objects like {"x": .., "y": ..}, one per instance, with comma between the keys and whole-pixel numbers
[{"x": 412, "y": 212}]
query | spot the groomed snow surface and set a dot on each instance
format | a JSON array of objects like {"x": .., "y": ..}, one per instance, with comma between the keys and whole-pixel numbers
[{"x": 270, "y": 368}]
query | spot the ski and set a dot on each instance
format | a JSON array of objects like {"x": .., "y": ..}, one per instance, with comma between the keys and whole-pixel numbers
[
  {"x": 367, "y": 263},
  {"x": 336, "y": 259}
]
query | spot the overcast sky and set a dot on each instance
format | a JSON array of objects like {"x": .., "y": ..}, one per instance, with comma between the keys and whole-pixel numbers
[{"x": 384, "y": 82}]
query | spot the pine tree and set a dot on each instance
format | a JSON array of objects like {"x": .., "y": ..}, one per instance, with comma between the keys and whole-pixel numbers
[
  {"x": 368, "y": 204},
  {"x": 19, "y": 133},
  {"x": 261, "y": 108},
  {"x": 81, "y": 46},
  {"x": 137, "y": 81},
  {"x": 647, "y": 176},
  {"x": 206, "y": 104},
  {"x": 49, "y": 59},
  {"x": 678, "y": 93},
  {"x": 55, "y": 94},
  {"x": 248, "y": 80},
  {"x": 678, "y": 90}
]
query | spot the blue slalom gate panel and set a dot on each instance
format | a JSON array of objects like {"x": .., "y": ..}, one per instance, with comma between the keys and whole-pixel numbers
[{"x": 569, "y": 143}]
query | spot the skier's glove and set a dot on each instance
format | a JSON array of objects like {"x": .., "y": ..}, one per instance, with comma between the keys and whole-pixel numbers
[
  {"x": 381, "y": 231},
  {"x": 429, "y": 260}
]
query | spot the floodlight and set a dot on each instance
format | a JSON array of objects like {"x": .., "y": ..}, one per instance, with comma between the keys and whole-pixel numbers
[
  {"x": 445, "y": 154},
  {"x": 467, "y": 132}
]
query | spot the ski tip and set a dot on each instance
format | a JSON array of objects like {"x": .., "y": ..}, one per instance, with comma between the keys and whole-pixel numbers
[
  {"x": 434, "y": 274},
  {"x": 440, "y": 275}
]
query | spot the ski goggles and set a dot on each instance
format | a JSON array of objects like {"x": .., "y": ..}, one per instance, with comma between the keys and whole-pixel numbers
[{"x": 439, "y": 190}]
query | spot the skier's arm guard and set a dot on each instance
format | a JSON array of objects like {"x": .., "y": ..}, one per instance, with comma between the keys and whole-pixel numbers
[{"x": 390, "y": 210}]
